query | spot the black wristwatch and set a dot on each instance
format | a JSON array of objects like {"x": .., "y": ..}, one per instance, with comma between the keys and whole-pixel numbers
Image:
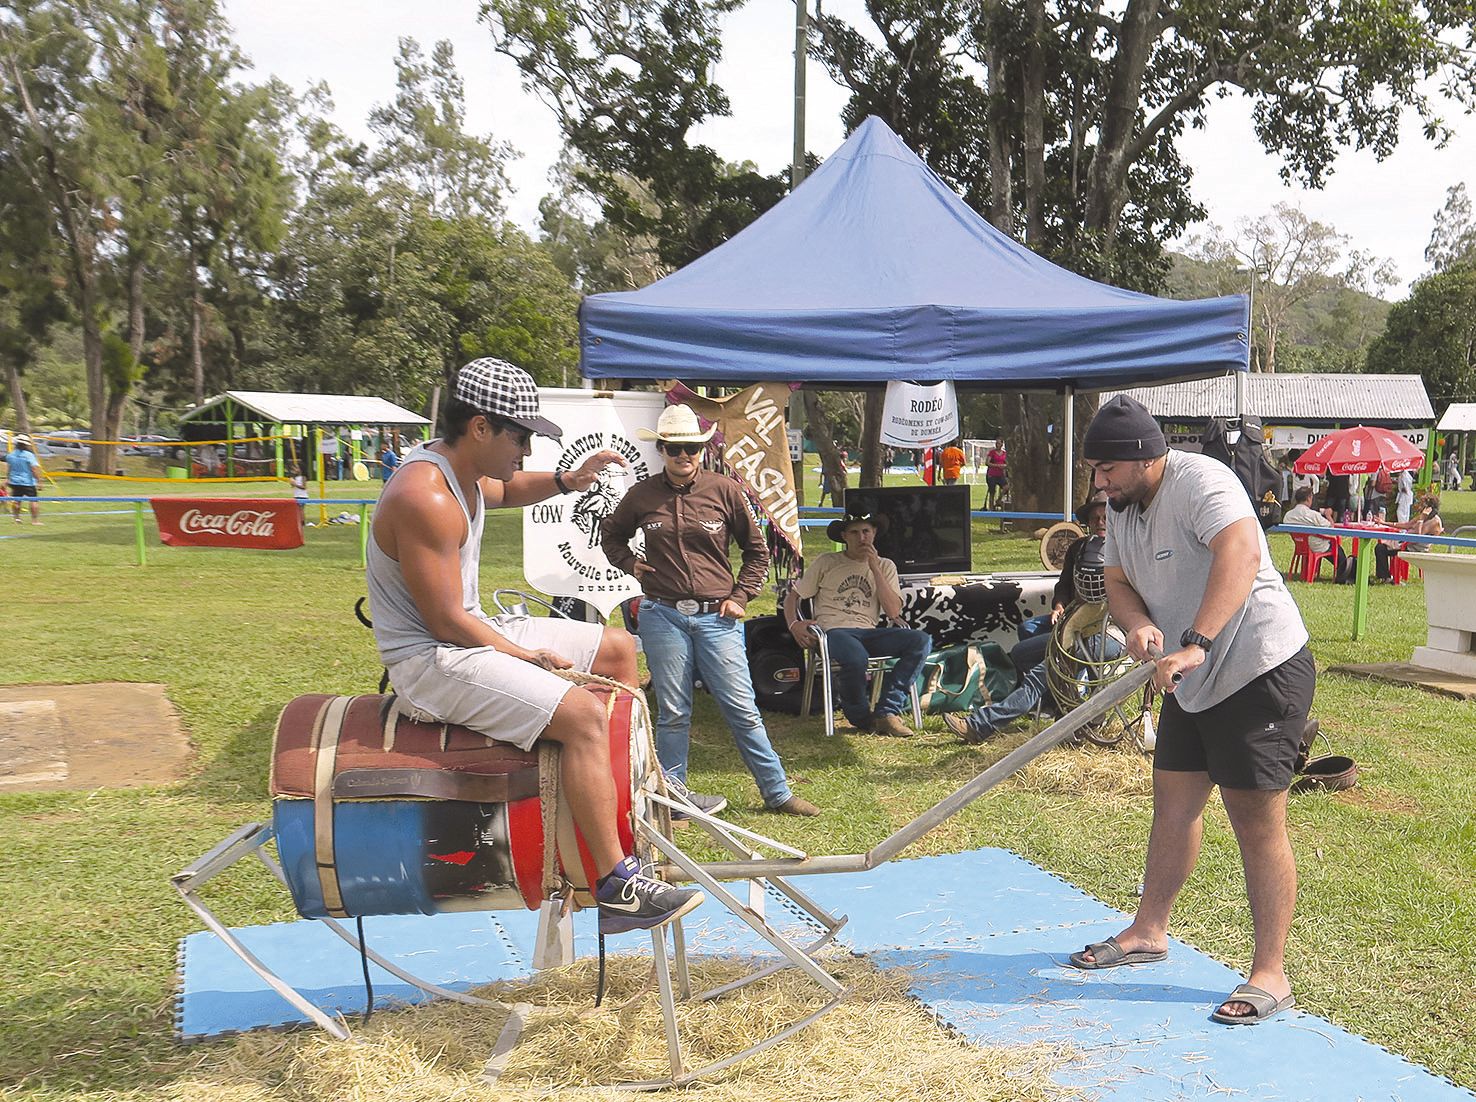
[
  {"x": 559, "y": 482},
  {"x": 1192, "y": 638}
]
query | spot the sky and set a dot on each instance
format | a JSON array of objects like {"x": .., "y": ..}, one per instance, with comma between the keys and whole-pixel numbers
[{"x": 1384, "y": 208}]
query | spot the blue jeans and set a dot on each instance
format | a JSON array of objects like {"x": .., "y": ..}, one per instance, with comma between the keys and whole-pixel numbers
[
  {"x": 1031, "y": 652},
  {"x": 989, "y": 718},
  {"x": 679, "y": 649},
  {"x": 1033, "y": 626},
  {"x": 850, "y": 648}
]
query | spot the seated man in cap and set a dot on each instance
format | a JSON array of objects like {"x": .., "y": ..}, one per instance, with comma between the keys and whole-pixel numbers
[
  {"x": 452, "y": 662},
  {"x": 851, "y": 589}
]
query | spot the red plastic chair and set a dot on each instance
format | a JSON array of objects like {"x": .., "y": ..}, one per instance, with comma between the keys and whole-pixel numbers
[
  {"x": 1398, "y": 568},
  {"x": 1309, "y": 562}
]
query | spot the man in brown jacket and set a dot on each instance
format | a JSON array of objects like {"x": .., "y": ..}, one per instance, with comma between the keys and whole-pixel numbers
[{"x": 691, "y": 617}]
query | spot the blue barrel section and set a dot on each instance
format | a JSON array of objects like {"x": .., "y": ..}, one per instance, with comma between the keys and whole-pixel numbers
[{"x": 401, "y": 856}]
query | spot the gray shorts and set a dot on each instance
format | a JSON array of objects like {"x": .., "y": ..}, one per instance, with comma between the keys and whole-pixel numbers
[{"x": 496, "y": 694}]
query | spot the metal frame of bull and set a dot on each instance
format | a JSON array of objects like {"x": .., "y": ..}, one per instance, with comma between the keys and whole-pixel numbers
[{"x": 762, "y": 873}]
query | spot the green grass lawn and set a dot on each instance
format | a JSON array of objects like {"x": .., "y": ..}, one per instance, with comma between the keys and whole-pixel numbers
[{"x": 1388, "y": 895}]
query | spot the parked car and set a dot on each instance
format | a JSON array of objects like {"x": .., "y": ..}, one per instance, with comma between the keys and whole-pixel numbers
[
  {"x": 65, "y": 444},
  {"x": 149, "y": 445}
]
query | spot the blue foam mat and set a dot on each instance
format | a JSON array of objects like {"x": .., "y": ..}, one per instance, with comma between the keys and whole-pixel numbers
[{"x": 984, "y": 936}]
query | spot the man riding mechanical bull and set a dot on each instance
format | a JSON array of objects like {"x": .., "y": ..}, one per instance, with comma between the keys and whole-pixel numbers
[{"x": 454, "y": 664}]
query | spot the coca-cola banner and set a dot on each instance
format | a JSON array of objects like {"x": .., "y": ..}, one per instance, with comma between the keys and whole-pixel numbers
[{"x": 273, "y": 524}]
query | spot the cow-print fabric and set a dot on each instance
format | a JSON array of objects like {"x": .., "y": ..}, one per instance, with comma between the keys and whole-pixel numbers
[{"x": 977, "y": 612}]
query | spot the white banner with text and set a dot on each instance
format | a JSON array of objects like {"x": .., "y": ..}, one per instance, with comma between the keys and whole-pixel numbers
[
  {"x": 561, "y": 535},
  {"x": 919, "y": 416}
]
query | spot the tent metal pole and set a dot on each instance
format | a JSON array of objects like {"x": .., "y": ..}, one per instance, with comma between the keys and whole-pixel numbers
[{"x": 1068, "y": 443}]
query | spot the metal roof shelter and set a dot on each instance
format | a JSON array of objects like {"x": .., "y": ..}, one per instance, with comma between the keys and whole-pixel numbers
[
  {"x": 310, "y": 409},
  {"x": 1458, "y": 417},
  {"x": 353, "y": 411},
  {"x": 1303, "y": 398}
]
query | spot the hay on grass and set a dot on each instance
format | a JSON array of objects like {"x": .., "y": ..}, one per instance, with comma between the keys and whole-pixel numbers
[
  {"x": 878, "y": 1044},
  {"x": 1086, "y": 769},
  {"x": 1079, "y": 768}
]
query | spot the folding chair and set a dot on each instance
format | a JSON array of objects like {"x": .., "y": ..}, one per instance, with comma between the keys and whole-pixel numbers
[{"x": 819, "y": 666}]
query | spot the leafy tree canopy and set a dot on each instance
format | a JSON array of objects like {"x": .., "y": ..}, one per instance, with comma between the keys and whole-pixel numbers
[
  {"x": 628, "y": 81},
  {"x": 1433, "y": 334}
]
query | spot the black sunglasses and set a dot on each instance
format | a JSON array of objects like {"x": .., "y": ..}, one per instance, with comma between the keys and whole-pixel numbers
[
  {"x": 521, "y": 435},
  {"x": 683, "y": 449}
]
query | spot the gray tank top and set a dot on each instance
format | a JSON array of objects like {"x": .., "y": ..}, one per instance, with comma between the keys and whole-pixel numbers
[{"x": 399, "y": 629}]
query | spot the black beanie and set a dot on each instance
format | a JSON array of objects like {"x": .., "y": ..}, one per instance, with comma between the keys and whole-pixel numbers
[{"x": 1123, "y": 429}]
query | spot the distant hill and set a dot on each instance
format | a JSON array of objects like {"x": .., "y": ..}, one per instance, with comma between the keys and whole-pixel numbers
[{"x": 1330, "y": 331}]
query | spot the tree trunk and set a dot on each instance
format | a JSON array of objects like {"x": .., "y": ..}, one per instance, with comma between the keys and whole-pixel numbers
[
  {"x": 997, "y": 135},
  {"x": 1032, "y": 138},
  {"x": 1107, "y": 174},
  {"x": 197, "y": 358},
  {"x": 238, "y": 343},
  {"x": 1035, "y": 482},
  {"x": 1037, "y": 458},
  {"x": 871, "y": 445},
  {"x": 97, "y": 390},
  {"x": 136, "y": 308},
  {"x": 119, "y": 390},
  {"x": 822, "y": 434},
  {"x": 17, "y": 397}
]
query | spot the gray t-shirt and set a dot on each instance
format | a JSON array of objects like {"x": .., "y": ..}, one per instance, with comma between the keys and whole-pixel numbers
[{"x": 1164, "y": 550}]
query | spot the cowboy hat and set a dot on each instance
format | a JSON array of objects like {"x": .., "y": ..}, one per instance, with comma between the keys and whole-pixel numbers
[
  {"x": 1097, "y": 497},
  {"x": 835, "y": 531},
  {"x": 678, "y": 425}
]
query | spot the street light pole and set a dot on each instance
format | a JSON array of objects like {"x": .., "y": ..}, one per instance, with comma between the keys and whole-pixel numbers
[{"x": 801, "y": 51}]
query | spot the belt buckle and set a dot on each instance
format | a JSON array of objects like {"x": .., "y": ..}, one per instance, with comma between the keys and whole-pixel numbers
[{"x": 688, "y": 607}]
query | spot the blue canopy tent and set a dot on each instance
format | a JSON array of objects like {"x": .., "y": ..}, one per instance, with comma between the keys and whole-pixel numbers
[{"x": 874, "y": 269}]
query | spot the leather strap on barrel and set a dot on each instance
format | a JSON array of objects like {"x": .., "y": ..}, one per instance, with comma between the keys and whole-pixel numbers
[
  {"x": 548, "y": 797},
  {"x": 437, "y": 784},
  {"x": 389, "y": 719},
  {"x": 325, "y": 743}
]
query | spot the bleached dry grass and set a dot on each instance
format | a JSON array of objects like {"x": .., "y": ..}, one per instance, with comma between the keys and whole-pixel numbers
[{"x": 878, "y": 1044}]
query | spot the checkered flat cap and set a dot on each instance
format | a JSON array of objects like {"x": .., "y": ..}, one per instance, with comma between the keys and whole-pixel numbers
[{"x": 499, "y": 388}]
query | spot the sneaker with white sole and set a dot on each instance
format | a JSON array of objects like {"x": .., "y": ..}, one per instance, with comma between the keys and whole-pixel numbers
[
  {"x": 709, "y": 805},
  {"x": 628, "y": 899}
]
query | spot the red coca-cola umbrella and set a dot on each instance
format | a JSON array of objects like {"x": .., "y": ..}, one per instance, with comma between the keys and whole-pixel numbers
[{"x": 1360, "y": 450}]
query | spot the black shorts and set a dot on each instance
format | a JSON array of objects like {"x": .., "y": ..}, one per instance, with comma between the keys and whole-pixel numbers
[
  {"x": 1247, "y": 740},
  {"x": 21, "y": 491},
  {"x": 996, "y": 480}
]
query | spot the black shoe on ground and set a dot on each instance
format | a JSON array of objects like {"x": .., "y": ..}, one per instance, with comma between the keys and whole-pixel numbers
[
  {"x": 628, "y": 899},
  {"x": 709, "y": 805}
]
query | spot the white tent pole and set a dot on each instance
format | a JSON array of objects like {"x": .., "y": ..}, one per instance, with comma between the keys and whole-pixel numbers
[{"x": 1068, "y": 442}]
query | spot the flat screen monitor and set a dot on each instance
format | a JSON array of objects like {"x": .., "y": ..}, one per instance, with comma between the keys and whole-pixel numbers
[{"x": 928, "y": 530}]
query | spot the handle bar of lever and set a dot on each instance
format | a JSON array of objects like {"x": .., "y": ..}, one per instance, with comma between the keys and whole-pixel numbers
[{"x": 1155, "y": 654}]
